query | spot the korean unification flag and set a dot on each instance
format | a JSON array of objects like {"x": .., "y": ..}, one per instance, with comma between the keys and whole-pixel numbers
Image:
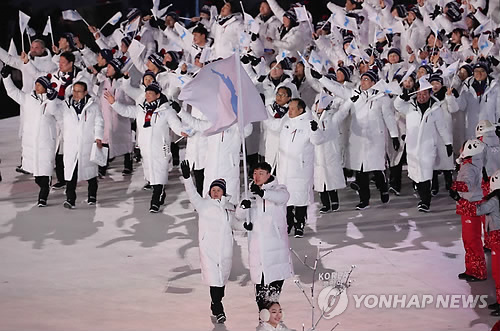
[
  {"x": 116, "y": 17},
  {"x": 251, "y": 24},
  {"x": 301, "y": 13},
  {"x": 215, "y": 92},
  {"x": 316, "y": 61},
  {"x": 344, "y": 22},
  {"x": 324, "y": 100},
  {"x": 184, "y": 34},
  {"x": 71, "y": 15},
  {"x": 484, "y": 45}
]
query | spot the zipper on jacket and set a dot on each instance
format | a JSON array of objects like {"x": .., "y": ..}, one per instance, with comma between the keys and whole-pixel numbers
[{"x": 264, "y": 204}]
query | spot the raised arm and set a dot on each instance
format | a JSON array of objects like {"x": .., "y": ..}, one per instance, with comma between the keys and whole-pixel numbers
[{"x": 12, "y": 91}]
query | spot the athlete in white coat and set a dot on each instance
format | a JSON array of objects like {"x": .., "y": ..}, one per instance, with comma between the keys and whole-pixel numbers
[
  {"x": 371, "y": 118},
  {"x": 226, "y": 30},
  {"x": 155, "y": 117},
  {"x": 295, "y": 163},
  {"x": 42, "y": 59},
  {"x": 82, "y": 126},
  {"x": 479, "y": 99},
  {"x": 62, "y": 81},
  {"x": 39, "y": 131},
  {"x": 215, "y": 235},
  {"x": 268, "y": 249},
  {"x": 424, "y": 123},
  {"x": 292, "y": 36},
  {"x": 117, "y": 128},
  {"x": 328, "y": 173},
  {"x": 270, "y": 139}
]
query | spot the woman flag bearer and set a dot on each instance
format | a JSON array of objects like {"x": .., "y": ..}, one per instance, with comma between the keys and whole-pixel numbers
[{"x": 216, "y": 223}]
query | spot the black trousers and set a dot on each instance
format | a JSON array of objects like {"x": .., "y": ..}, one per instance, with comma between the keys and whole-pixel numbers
[
  {"x": 174, "y": 149},
  {"x": 328, "y": 198},
  {"x": 158, "y": 197},
  {"x": 296, "y": 216},
  {"x": 216, "y": 295},
  {"x": 363, "y": 180},
  {"x": 60, "y": 168},
  {"x": 424, "y": 191},
  {"x": 199, "y": 178},
  {"x": 44, "y": 183},
  {"x": 448, "y": 179},
  {"x": 263, "y": 292},
  {"x": 71, "y": 187},
  {"x": 396, "y": 171},
  {"x": 127, "y": 162}
]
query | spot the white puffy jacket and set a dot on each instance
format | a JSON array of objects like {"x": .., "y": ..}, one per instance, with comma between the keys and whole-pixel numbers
[{"x": 268, "y": 248}]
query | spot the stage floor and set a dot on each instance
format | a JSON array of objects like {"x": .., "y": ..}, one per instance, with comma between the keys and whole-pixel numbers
[{"x": 115, "y": 266}]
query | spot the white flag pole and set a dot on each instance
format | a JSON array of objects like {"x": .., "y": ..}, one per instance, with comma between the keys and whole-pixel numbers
[
  {"x": 84, "y": 21},
  {"x": 51, "y": 32},
  {"x": 28, "y": 34},
  {"x": 22, "y": 40},
  {"x": 243, "y": 10},
  {"x": 241, "y": 128},
  {"x": 102, "y": 27}
]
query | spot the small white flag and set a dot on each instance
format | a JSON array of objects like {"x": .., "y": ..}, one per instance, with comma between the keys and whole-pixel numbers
[
  {"x": 71, "y": 15},
  {"x": 12, "y": 49},
  {"x": 397, "y": 27},
  {"x": 380, "y": 85},
  {"x": 113, "y": 20},
  {"x": 157, "y": 12},
  {"x": 316, "y": 60},
  {"x": 393, "y": 88},
  {"x": 205, "y": 54},
  {"x": 484, "y": 45},
  {"x": 185, "y": 35},
  {"x": 281, "y": 56},
  {"x": 431, "y": 24},
  {"x": 487, "y": 25},
  {"x": 408, "y": 73},
  {"x": 451, "y": 69},
  {"x": 301, "y": 13},
  {"x": 345, "y": 22},
  {"x": 135, "y": 49},
  {"x": 324, "y": 100},
  {"x": 132, "y": 27},
  {"x": 48, "y": 28},
  {"x": 23, "y": 21},
  {"x": 30, "y": 31},
  {"x": 424, "y": 83},
  {"x": 251, "y": 24}
]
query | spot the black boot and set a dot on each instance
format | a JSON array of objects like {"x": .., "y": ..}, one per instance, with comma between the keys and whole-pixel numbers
[
  {"x": 334, "y": 199},
  {"x": 325, "y": 200}
]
